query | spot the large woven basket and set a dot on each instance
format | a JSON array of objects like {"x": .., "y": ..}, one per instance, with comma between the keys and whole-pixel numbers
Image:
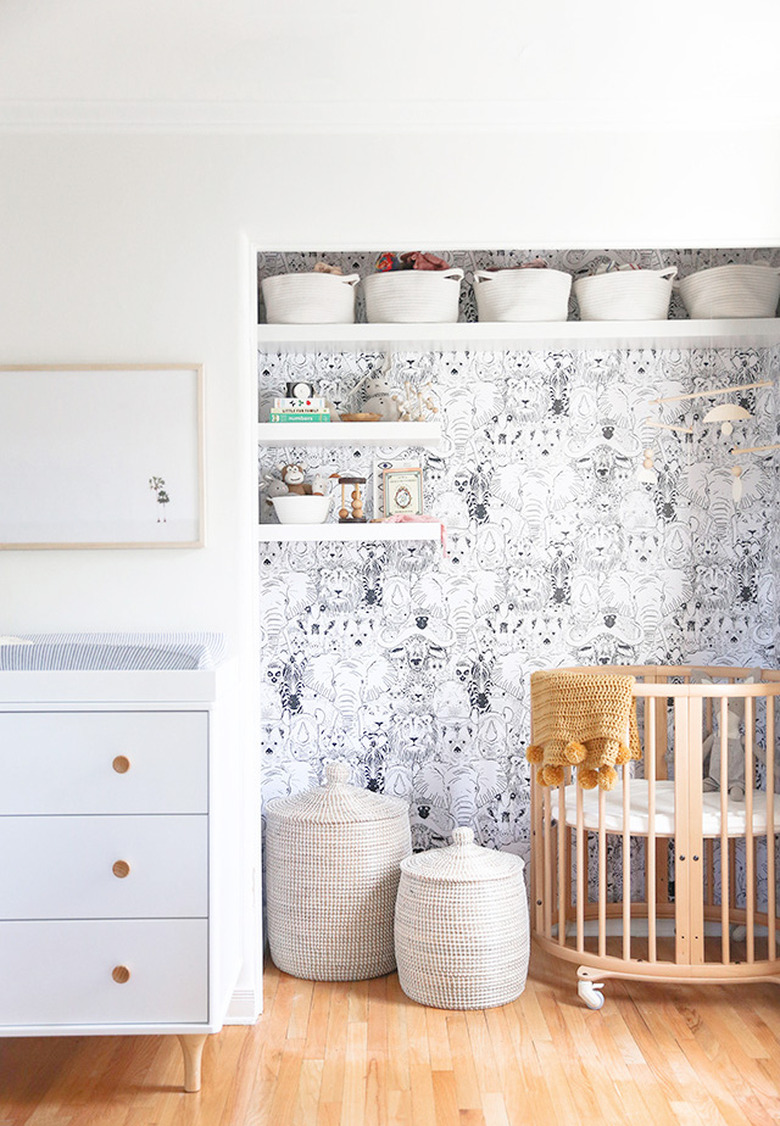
[
  {"x": 522, "y": 295},
  {"x": 309, "y": 298},
  {"x": 333, "y": 859},
  {"x": 461, "y": 926},
  {"x": 731, "y": 291},
  {"x": 401, "y": 296},
  {"x": 625, "y": 295}
]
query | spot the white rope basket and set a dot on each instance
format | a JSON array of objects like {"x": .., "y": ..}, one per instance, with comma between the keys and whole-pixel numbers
[
  {"x": 522, "y": 295},
  {"x": 333, "y": 859},
  {"x": 310, "y": 298},
  {"x": 403, "y": 296},
  {"x": 731, "y": 291},
  {"x": 625, "y": 295},
  {"x": 461, "y": 926}
]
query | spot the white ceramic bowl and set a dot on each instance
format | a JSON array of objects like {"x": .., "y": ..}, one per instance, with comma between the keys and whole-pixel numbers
[{"x": 295, "y": 509}]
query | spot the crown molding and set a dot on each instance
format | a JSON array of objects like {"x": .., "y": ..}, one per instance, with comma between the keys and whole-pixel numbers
[{"x": 367, "y": 116}]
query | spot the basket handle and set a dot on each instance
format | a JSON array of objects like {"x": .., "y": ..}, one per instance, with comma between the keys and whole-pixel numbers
[
  {"x": 350, "y": 279},
  {"x": 483, "y": 275},
  {"x": 668, "y": 272},
  {"x": 453, "y": 272}
]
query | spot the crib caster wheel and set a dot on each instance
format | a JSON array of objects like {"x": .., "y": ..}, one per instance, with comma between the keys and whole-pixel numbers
[
  {"x": 738, "y": 933},
  {"x": 589, "y": 992}
]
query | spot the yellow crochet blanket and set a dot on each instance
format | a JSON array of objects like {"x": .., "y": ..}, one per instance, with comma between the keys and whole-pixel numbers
[{"x": 582, "y": 719}]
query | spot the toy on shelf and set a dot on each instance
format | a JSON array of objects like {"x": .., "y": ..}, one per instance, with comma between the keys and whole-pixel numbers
[
  {"x": 354, "y": 513},
  {"x": 416, "y": 404}
]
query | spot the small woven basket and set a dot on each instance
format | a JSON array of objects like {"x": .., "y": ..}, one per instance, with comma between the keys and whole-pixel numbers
[
  {"x": 333, "y": 858},
  {"x": 522, "y": 295},
  {"x": 402, "y": 296},
  {"x": 461, "y": 926},
  {"x": 731, "y": 291},
  {"x": 625, "y": 295},
  {"x": 314, "y": 298}
]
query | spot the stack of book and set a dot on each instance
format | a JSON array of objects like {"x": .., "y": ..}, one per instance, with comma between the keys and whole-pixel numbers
[{"x": 300, "y": 410}]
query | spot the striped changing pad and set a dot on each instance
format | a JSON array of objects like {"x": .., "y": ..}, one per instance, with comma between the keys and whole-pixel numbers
[{"x": 111, "y": 651}]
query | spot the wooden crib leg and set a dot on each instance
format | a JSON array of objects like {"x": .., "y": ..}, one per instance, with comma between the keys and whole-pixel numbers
[{"x": 192, "y": 1050}]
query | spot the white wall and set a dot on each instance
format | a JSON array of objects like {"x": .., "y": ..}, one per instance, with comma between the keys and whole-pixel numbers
[{"x": 130, "y": 247}]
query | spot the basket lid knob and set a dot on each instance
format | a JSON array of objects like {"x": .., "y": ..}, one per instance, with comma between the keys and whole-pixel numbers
[
  {"x": 336, "y": 772},
  {"x": 463, "y": 835}
]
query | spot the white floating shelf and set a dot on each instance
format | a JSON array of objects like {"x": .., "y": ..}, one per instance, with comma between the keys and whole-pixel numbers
[
  {"x": 347, "y": 533},
  {"x": 489, "y": 335},
  {"x": 349, "y": 433}
]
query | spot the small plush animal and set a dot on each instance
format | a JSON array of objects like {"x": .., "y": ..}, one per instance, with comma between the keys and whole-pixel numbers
[
  {"x": 271, "y": 486},
  {"x": 293, "y": 477},
  {"x": 380, "y": 400}
]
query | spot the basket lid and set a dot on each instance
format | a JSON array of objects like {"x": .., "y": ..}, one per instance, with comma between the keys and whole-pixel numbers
[
  {"x": 462, "y": 862},
  {"x": 337, "y": 802}
]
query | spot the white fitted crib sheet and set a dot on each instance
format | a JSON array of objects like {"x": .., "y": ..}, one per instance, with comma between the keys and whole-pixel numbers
[{"x": 639, "y": 817}]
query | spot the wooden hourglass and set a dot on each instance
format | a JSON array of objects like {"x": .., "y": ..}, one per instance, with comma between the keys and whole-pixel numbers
[{"x": 353, "y": 514}]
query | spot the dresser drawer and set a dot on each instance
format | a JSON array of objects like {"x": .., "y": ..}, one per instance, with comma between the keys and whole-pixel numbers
[
  {"x": 103, "y": 867},
  {"x": 103, "y": 762},
  {"x": 63, "y": 972}
]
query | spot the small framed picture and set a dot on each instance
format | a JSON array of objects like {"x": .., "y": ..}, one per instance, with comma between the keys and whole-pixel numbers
[
  {"x": 402, "y": 492},
  {"x": 380, "y": 468}
]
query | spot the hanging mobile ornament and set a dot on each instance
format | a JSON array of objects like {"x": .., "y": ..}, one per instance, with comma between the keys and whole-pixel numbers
[
  {"x": 647, "y": 472},
  {"x": 736, "y": 484}
]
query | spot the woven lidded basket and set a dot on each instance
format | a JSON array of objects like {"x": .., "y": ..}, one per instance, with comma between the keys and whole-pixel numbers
[
  {"x": 309, "y": 298},
  {"x": 522, "y": 295},
  {"x": 461, "y": 926},
  {"x": 625, "y": 295},
  {"x": 333, "y": 859},
  {"x": 401, "y": 296},
  {"x": 731, "y": 291}
]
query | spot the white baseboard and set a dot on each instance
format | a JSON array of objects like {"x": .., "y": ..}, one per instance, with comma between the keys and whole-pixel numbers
[{"x": 243, "y": 1008}]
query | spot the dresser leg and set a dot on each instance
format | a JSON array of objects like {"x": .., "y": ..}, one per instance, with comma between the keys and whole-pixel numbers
[{"x": 192, "y": 1050}]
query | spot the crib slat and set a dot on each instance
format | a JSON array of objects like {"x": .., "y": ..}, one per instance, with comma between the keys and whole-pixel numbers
[
  {"x": 602, "y": 874},
  {"x": 582, "y": 882},
  {"x": 547, "y": 836},
  {"x": 563, "y": 875},
  {"x": 626, "y": 867},
  {"x": 650, "y": 769},
  {"x": 770, "y": 825},
  {"x": 750, "y": 844},
  {"x": 695, "y": 843},
  {"x": 724, "y": 838}
]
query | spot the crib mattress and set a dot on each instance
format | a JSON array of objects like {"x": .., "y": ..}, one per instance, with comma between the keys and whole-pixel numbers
[
  {"x": 639, "y": 817},
  {"x": 111, "y": 651}
]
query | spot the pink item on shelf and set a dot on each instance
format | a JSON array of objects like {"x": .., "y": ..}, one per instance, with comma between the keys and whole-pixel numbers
[
  {"x": 410, "y": 518},
  {"x": 419, "y": 261}
]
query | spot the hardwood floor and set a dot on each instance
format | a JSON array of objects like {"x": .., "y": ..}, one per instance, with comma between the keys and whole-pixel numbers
[{"x": 344, "y": 1055}]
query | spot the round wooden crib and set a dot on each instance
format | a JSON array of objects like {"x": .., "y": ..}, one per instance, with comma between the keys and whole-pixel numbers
[{"x": 671, "y": 875}]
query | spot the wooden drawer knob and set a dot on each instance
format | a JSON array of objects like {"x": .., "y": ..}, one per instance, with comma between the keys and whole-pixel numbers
[
  {"x": 120, "y": 868},
  {"x": 121, "y": 764},
  {"x": 120, "y": 974}
]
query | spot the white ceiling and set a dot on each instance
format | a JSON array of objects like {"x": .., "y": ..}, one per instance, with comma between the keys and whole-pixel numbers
[{"x": 388, "y": 63}]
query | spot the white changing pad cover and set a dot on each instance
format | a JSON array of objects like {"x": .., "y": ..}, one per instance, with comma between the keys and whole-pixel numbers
[
  {"x": 111, "y": 651},
  {"x": 639, "y": 815}
]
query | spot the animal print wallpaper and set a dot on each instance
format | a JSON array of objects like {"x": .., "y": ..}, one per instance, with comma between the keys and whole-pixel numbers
[{"x": 576, "y": 533}]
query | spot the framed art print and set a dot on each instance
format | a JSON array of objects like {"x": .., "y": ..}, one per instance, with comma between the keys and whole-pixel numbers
[
  {"x": 402, "y": 492},
  {"x": 96, "y": 456},
  {"x": 378, "y": 485}
]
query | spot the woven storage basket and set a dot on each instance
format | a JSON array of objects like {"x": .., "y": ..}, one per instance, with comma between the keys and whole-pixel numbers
[
  {"x": 401, "y": 296},
  {"x": 731, "y": 291},
  {"x": 625, "y": 295},
  {"x": 333, "y": 859},
  {"x": 292, "y": 299},
  {"x": 522, "y": 295},
  {"x": 461, "y": 926}
]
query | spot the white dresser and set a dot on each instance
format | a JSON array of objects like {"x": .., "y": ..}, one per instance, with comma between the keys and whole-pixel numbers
[{"x": 119, "y": 832}]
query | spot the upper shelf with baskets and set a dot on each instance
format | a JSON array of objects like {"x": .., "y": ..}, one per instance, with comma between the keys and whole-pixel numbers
[{"x": 490, "y": 336}]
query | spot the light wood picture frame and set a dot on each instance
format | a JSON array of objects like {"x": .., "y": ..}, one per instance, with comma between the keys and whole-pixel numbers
[{"x": 101, "y": 456}]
